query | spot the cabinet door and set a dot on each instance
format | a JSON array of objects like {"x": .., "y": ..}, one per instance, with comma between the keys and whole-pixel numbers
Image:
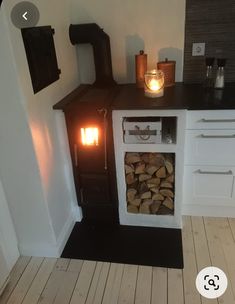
[
  {"x": 223, "y": 119},
  {"x": 209, "y": 186},
  {"x": 4, "y": 271},
  {"x": 210, "y": 147}
]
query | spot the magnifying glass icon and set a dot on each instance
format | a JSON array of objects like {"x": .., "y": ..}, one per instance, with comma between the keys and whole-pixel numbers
[{"x": 211, "y": 282}]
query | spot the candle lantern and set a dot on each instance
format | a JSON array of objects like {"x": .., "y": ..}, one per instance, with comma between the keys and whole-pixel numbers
[{"x": 154, "y": 83}]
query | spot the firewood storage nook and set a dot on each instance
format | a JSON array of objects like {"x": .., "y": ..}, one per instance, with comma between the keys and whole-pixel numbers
[{"x": 149, "y": 160}]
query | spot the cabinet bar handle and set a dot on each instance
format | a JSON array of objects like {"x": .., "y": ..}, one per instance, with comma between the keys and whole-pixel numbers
[
  {"x": 216, "y": 120},
  {"x": 217, "y": 136},
  {"x": 229, "y": 172}
]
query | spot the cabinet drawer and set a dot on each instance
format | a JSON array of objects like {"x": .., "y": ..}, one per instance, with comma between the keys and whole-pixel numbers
[
  {"x": 214, "y": 119},
  {"x": 209, "y": 186},
  {"x": 210, "y": 147}
]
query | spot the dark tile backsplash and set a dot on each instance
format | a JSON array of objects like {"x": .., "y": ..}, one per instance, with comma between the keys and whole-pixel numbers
[{"x": 212, "y": 22}]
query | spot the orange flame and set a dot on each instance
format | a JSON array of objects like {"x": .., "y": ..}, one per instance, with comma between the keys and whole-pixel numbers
[{"x": 90, "y": 136}]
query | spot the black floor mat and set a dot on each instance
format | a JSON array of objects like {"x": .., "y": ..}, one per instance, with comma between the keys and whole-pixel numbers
[{"x": 126, "y": 244}]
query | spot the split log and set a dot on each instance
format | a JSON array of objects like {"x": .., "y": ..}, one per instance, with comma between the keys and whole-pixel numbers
[
  {"x": 164, "y": 211},
  {"x": 161, "y": 173},
  {"x": 129, "y": 169},
  {"x": 150, "y": 169},
  {"x": 155, "y": 207},
  {"x": 147, "y": 202},
  {"x": 158, "y": 197},
  {"x": 132, "y": 209},
  {"x": 168, "y": 202},
  {"x": 142, "y": 188},
  {"x": 140, "y": 168},
  {"x": 167, "y": 192},
  {"x": 154, "y": 189},
  {"x": 145, "y": 158},
  {"x": 156, "y": 181},
  {"x": 170, "y": 178},
  {"x": 151, "y": 186},
  {"x": 144, "y": 209},
  {"x": 132, "y": 157},
  {"x": 156, "y": 159},
  {"x": 131, "y": 194},
  {"x": 136, "y": 202},
  {"x": 146, "y": 195},
  {"x": 130, "y": 179},
  {"x": 144, "y": 177},
  {"x": 165, "y": 184},
  {"x": 169, "y": 166}
]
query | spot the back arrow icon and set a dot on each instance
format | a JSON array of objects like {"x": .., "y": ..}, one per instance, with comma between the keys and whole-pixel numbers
[{"x": 24, "y": 16}]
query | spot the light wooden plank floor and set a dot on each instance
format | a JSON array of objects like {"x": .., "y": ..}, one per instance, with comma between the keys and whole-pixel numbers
[{"x": 206, "y": 241}]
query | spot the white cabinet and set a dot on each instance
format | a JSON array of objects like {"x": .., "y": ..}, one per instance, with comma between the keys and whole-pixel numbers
[
  {"x": 176, "y": 148},
  {"x": 209, "y": 169}
]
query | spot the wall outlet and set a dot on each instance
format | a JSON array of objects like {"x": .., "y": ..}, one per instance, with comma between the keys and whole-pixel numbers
[{"x": 198, "y": 49}]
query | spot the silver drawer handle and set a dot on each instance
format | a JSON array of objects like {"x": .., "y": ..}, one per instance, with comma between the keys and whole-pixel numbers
[
  {"x": 229, "y": 172},
  {"x": 216, "y": 136},
  {"x": 216, "y": 120}
]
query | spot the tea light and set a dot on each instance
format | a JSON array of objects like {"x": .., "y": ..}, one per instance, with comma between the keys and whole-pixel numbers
[{"x": 154, "y": 83}]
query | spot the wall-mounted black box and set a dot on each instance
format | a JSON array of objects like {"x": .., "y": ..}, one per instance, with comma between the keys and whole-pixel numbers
[{"x": 41, "y": 56}]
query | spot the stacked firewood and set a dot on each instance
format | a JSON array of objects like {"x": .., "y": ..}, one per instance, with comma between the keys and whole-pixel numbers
[{"x": 150, "y": 182}]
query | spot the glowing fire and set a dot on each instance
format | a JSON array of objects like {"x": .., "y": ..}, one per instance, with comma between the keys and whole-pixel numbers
[
  {"x": 90, "y": 136},
  {"x": 154, "y": 85}
]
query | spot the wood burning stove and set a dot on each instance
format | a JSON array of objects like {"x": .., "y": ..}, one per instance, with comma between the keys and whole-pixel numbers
[{"x": 89, "y": 124}]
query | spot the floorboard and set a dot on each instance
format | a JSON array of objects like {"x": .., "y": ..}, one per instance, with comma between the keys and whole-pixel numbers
[{"x": 206, "y": 242}]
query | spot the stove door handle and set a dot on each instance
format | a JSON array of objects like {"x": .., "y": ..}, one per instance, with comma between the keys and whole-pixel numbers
[
  {"x": 76, "y": 155},
  {"x": 104, "y": 111},
  {"x": 81, "y": 195}
]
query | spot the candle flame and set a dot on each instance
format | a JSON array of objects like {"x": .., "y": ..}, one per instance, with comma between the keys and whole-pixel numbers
[
  {"x": 154, "y": 85},
  {"x": 90, "y": 136}
]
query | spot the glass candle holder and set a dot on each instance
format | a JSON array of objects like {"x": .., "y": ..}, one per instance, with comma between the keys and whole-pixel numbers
[{"x": 154, "y": 83}]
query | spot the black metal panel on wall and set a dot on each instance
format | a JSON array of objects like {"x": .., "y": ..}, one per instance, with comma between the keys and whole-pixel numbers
[{"x": 212, "y": 22}]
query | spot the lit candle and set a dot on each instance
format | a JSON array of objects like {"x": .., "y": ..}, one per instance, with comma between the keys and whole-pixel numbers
[{"x": 154, "y": 83}]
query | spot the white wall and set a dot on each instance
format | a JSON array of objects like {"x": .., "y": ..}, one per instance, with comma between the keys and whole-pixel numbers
[
  {"x": 8, "y": 240},
  {"x": 157, "y": 26},
  {"x": 39, "y": 185}
]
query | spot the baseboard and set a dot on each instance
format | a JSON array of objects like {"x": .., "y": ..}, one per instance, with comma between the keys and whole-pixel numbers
[
  {"x": 210, "y": 211},
  {"x": 77, "y": 212},
  {"x": 4, "y": 285},
  {"x": 50, "y": 250},
  {"x": 65, "y": 233}
]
